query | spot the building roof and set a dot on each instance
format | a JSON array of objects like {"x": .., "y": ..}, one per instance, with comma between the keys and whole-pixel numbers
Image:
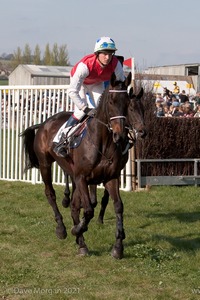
[
  {"x": 178, "y": 65},
  {"x": 48, "y": 71}
]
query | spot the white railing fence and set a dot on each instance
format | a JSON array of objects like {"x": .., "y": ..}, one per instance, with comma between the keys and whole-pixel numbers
[{"x": 24, "y": 106}]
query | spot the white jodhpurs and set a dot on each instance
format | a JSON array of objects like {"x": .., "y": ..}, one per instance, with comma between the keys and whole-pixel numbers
[{"x": 90, "y": 94}]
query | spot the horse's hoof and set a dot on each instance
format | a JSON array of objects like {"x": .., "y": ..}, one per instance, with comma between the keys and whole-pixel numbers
[
  {"x": 65, "y": 203},
  {"x": 74, "y": 230},
  {"x": 117, "y": 253},
  {"x": 94, "y": 204},
  {"x": 61, "y": 233},
  {"x": 83, "y": 251}
]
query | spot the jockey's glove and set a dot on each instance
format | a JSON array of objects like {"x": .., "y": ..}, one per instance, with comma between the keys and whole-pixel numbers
[{"x": 91, "y": 112}]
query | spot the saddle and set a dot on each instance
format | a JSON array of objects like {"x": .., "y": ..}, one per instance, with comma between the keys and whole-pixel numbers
[{"x": 75, "y": 139}]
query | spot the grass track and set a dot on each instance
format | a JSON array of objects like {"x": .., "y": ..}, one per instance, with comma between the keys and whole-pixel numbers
[{"x": 162, "y": 247}]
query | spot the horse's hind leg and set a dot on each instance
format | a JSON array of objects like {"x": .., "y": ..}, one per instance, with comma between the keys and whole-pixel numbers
[
  {"x": 51, "y": 196},
  {"x": 93, "y": 195},
  {"x": 66, "y": 199},
  {"x": 113, "y": 190},
  {"x": 104, "y": 203}
]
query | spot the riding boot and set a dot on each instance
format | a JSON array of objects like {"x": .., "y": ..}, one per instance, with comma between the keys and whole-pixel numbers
[{"x": 60, "y": 148}]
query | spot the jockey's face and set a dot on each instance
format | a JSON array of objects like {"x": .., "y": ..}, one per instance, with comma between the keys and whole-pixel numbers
[{"x": 105, "y": 57}]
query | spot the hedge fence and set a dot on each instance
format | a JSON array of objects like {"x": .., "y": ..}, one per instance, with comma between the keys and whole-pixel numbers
[{"x": 168, "y": 137}]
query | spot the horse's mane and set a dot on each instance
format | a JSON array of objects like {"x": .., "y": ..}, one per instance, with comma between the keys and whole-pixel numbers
[
  {"x": 101, "y": 109},
  {"x": 104, "y": 97}
]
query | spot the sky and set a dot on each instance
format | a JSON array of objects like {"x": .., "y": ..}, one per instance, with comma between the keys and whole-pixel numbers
[{"x": 154, "y": 32}]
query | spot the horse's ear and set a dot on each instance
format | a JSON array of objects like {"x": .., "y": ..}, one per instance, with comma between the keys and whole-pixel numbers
[
  {"x": 113, "y": 79},
  {"x": 139, "y": 96},
  {"x": 128, "y": 79},
  {"x": 131, "y": 93}
]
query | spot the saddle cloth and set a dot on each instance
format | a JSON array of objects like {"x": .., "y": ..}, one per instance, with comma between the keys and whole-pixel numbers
[{"x": 74, "y": 133}]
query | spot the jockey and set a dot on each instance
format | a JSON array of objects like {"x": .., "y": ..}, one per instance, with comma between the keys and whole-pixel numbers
[{"x": 87, "y": 79}]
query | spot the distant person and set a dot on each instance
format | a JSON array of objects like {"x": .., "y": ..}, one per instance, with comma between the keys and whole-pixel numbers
[
  {"x": 159, "y": 111},
  {"x": 168, "y": 101},
  {"x": 167, "y": 111},
  {"x": 166, "y": 92},
  {"x": 175, "y": 109},
  {"x": 196, "y": 98},
  {"x": 159, "y": 98},
  {"x": 197, "y": 113},
  {"x": 183, "y": 97},
  {"x": 176, "y": 89},
  {"x": 175, "y": 100},
  {"x": 188, "y": 111}
]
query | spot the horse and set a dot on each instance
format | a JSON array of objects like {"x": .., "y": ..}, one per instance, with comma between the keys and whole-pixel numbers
[
  {"x": 135, "y": 106},
  {"x": 94, "y": 161},
  {"x": 136, "y": 127}
]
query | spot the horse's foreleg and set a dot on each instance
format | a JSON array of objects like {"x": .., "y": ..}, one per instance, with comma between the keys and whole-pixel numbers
[
  {"x": 79, "y": 226},
  {"x": 51, "y": 196},
  {"x": 104, "y": 203},
  {"x": 113, "y": 190}
]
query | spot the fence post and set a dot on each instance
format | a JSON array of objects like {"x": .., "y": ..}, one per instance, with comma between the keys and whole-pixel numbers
[{"x": 133, "y": 169}]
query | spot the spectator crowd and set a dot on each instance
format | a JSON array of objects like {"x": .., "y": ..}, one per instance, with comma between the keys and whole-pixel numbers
[{"x": 177, "y": 104}]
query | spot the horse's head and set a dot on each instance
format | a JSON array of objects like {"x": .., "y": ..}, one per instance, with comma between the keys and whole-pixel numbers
[
  {"x": 136, "y": 114},
  {"x": 117, "y": 106}
]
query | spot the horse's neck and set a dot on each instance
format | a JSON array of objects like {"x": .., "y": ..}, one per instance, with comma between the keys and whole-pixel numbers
[{"x": 98, "y": 133}]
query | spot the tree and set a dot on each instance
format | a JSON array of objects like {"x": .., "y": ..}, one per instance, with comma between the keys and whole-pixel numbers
[
  {"x": 17, "y": 58},
  {"x": 58, "y": 56},
  {"x": 63, "y": 56},
  {"x": 54, "y": 55},
  {"x": 37, "y": 55},
  {"x": 27, "y": 59},
  {"x": 47, "y": 56}
]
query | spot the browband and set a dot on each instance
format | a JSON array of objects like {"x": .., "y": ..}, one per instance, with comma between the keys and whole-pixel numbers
[
  {"x": 118, "y": 91},
  {"x": 117, "y": 117}
]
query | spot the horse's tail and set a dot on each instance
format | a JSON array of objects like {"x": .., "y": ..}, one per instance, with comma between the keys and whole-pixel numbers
[{"x": 31, "y": 160}]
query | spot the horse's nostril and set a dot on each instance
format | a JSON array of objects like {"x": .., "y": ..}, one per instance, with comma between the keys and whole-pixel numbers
[{"x": 116, "y": 137}]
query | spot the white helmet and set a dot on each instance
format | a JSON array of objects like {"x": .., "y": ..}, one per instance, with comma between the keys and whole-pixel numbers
[{"x": 104, "y": 43}]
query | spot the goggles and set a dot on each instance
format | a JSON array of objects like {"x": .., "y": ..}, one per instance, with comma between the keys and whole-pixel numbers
[{"x": 107, "y": 45}]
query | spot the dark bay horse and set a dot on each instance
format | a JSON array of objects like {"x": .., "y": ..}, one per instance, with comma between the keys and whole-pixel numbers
[
  {"x": 136, "y": 127},
  {"x": 94, "y": 161}
]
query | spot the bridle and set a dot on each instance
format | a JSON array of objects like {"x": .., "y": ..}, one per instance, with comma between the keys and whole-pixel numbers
[
  {"x": 112, "y": 118},
  {"x": 108, "y": 126},
  {"x": 117, "y": 117}
]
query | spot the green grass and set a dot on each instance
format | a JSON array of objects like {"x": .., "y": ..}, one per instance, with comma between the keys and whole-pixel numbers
[
  {"x": 3, "y": 82},
  {"x": 161, "y": 249}
]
